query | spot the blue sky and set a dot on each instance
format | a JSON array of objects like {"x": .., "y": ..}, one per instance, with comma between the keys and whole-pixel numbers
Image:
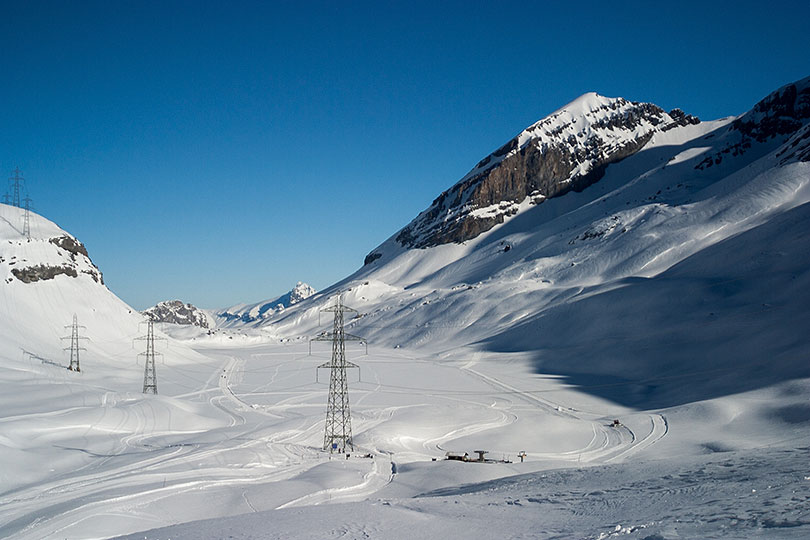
[{"x": 220, "y": 153}]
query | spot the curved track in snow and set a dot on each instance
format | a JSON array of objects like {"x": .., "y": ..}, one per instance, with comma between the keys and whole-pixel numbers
[{"x": 269, "y": 413}]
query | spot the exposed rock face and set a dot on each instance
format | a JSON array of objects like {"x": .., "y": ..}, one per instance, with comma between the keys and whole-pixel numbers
[
  {"x": 71, "y": 245},
  {"x": 568, "y": 150},
  {"x": 782, "y": 115},
  {"x": 176, "y": 312},
  {"x": 371, "y": 257},
  {"x": 40, "y": 272}
]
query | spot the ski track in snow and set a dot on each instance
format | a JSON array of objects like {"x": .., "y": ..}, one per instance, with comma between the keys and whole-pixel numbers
[
  {"x": 158, "y": 471},
  {"x": 608, "y": 443}
]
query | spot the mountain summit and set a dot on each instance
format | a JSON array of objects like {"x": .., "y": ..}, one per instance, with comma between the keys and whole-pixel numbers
[{"x": 567, "y": 150}]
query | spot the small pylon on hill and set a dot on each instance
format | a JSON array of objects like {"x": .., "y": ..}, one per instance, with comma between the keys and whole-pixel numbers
[{"x": 74, "y": 348}]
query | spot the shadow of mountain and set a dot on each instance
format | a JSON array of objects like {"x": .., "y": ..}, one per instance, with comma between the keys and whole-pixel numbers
[{"x": 730, "y": 318}]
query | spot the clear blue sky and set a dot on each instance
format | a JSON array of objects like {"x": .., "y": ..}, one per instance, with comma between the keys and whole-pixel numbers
[{"x": 218, "y": 152}]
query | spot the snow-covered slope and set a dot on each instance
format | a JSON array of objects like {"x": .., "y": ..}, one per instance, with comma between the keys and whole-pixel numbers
[
  {"x": 589, "y": 281},
  {"x": 56, "y": 422}
]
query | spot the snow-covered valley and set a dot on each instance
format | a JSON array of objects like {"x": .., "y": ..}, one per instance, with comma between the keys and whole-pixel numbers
[{"x": 670, "y": 295}]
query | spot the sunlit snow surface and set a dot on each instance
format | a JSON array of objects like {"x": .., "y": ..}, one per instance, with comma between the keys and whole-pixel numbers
[{"x": 672, "y": 299}]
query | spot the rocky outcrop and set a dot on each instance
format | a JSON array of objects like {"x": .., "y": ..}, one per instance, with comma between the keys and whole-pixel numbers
[
  {"x": 71, "y": 245},
  {"x": 371, "y": 257},
  {"x": 781, "y": 113},
  {"x": 781, "y": 116},
  {"x": 569, "y": 150},
  {"x": 68, "y": 258},
  {"x": 41, "y": 272},
  {"x": 176, "y": 312}
]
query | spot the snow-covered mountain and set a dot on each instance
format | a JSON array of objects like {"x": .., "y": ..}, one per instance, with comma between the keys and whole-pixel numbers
[
  {"x": 568, "y": 150},
  {"x": 655, "y": 235},
  {"x": 252, "y": 313},
  {"x": 176, "y": 312}
]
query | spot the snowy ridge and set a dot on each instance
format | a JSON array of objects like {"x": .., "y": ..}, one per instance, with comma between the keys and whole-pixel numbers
[{"x": 251, "y": 313}]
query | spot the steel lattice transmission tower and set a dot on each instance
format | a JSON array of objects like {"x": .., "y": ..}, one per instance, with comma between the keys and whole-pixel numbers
[
  {"x": 338, "y": 433},
  {"x": 27, "y": 218},
  {"x": 149, "y": 373},
  {"x": 74, "y": 344},
  {"x": 16, "y": 185}
]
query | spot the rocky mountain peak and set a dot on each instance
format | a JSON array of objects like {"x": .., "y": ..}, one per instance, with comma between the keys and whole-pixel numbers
[
  {"x": 567, "y": 150},
  {"x": 176, "y": 312}
]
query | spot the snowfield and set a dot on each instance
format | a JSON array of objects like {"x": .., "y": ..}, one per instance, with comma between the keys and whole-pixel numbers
[{"x": 668, "y": 297}]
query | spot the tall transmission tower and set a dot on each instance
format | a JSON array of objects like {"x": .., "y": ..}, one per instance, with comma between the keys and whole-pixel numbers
[
  {"x": 338, "y": 433},
  {"x": 149, "y": 373},
  {"x": 16, "y": 185},
  {"x": 27, "y": 218},
  {"x": 74, "y": 344}
]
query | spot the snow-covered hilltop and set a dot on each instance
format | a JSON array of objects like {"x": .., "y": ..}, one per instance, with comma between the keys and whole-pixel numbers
[
  {"x": 47, "y": 277},
  {"x": 48, "y": 251}
]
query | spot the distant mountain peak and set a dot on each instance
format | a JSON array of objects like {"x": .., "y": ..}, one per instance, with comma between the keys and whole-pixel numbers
[
  {"x": 176, "y": 312},
  {"x": 249, "y": 313}
]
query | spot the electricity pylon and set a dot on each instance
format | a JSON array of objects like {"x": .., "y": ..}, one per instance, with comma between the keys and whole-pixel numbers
[
  {"x": 16, "y": 183},
  {"x": 149, "y": 373},
  {"x": 27, "y": 219},
  {"x": 74, "y": 344},
  {"x": 338, "y": 433}
]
